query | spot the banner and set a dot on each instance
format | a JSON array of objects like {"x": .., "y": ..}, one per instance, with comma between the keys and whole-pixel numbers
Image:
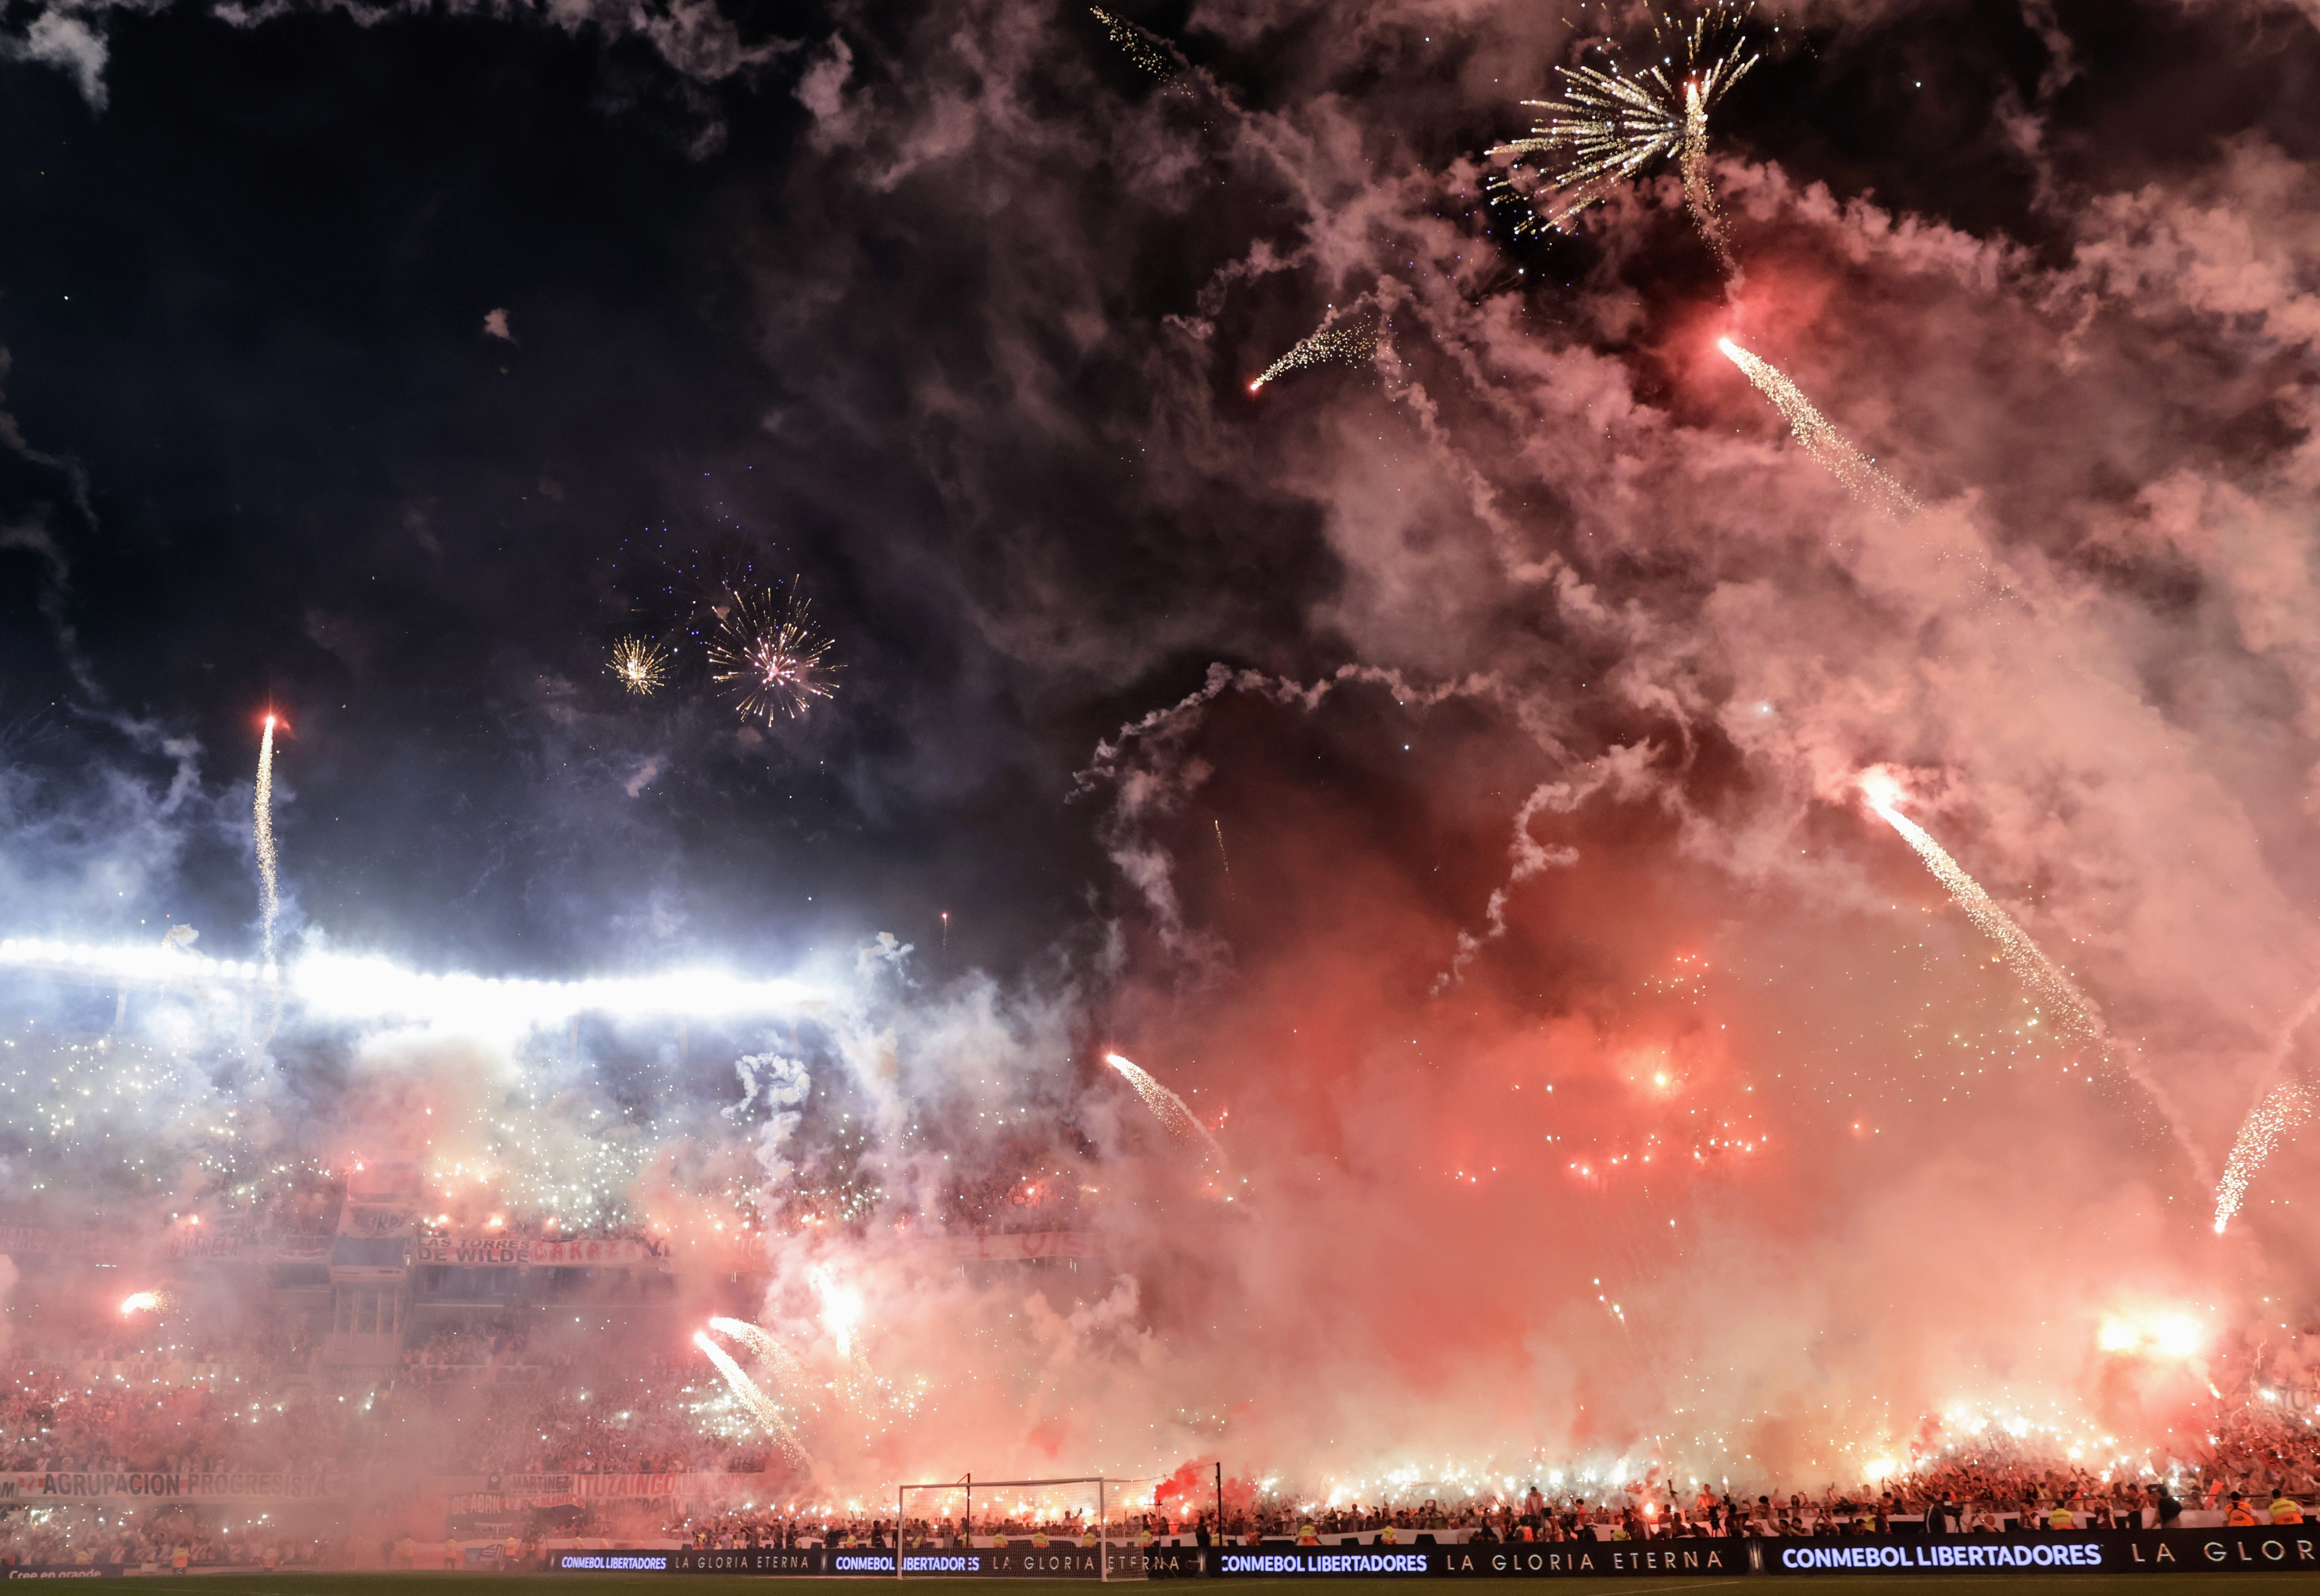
[
  {"x": 153, "y": 1372},
  {"x": 246, "y": 1247},
  {"x": 644, "y": 1487},
  {"x": 85, "y": 1246},
  {"x": 2130, "y": 1551},
  {"x": 1019, "y": 1247},
  {"x": 1703, "y": 1558},
  {"x": 44, "y": 1489},
  {"x": 503, "y": 1492},
  {"x": 2174, "y": 1551},
  {"x": 533, "y": 1251},
  {"x": 1017, "y": 1562}
]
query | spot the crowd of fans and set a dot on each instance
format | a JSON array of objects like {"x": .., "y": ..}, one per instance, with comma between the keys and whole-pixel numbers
[
  {"x": 161, "y": 1399},
  {"x": 1042, "y": 1198},
  {"x": 53, "y": 1419},
  {"x": 471, "y": 1347}
]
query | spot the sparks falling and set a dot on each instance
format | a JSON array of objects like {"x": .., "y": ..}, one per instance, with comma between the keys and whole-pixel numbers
[
  {"x": 1169, "y": 1110},
  {"x": 1327, "y": 346},
  {"x": 1609, "y": 126},
  {"x": 1824, "y": 442},
  {"x": 772, "y": 659},
  {"x": 640, "y": 666},
  {"x": 269, "y": 900}
]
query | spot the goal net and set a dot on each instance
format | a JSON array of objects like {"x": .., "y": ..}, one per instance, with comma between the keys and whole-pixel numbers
[{"x": 1091, "y": 1525}]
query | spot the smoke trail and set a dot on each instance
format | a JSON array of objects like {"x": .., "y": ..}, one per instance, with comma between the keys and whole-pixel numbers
[
  {"x": 2077, "y": 1018},
  {"x": 1169, "y": 1110},
  {"x": 2284, "y": 1107},
  {"x": 766, "y": 1412},
  {"x": 262, "y": 818},
  {"x": 1824, "y": 442}
]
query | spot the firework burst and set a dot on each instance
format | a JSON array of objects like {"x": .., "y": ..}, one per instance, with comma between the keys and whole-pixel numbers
[
  {"x": 640, "y": 666},
  {"x": 1611, "y": 124},
  {"x": 769, "y": 657}
]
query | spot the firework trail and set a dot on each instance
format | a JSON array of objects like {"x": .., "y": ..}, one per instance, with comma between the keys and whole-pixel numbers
[
  {"x": 2075, "y": 1018},
  {"x": 2284, "y": 1107},
  {"x": 1699, "y": 193},
  {"x": 1169, "y": 1110},
  {"x": 269, "y": 902},
  {"x": 771, "y": 657},
  {"x": 640, "y": 666},
  {"x": 1327, "y": 346},
  {"x": 1825, "y": 443},
  {"x": 767, "y": 1412},
  {"x": 1609, "y": 126},
  {"x": 759, "y": 1341},
  {"x": 1133, "y": 44}
]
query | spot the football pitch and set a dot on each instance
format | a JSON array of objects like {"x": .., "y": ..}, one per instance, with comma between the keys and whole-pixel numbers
[{"x": 661, "y": 1584}]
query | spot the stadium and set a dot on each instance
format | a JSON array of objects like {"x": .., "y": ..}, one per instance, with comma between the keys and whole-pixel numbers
[{"x": 1253, "y": 790}]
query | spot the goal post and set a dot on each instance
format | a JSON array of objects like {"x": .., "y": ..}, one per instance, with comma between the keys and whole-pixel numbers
[{"x": 1090, "y": 1511}]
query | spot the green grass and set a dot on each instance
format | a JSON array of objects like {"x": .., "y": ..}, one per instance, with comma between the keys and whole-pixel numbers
[{"x": 1836, "y": 1584}]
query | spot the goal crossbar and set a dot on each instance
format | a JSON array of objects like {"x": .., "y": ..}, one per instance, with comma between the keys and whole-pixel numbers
[{"x": 968, "y": 1484}]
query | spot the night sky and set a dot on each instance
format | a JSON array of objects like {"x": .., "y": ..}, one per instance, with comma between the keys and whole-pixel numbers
[{"x": 265, "y": 452}]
